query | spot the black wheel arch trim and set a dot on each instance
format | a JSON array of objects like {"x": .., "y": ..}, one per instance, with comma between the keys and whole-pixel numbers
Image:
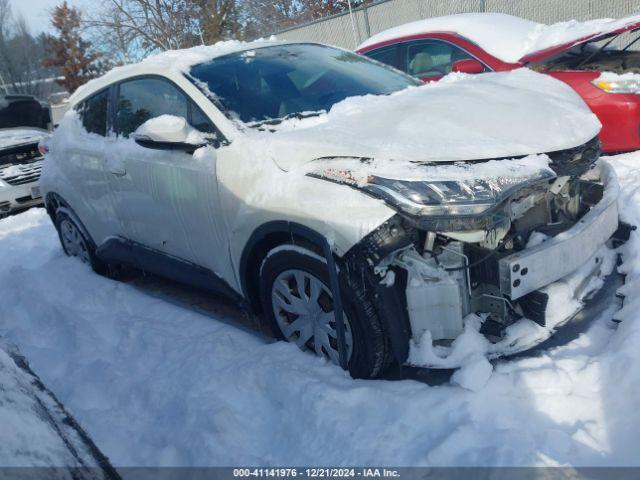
[
  {"x": 300, "y": 231},
  {"x": 284, "y": 231},
  {"x": 55, "y": 203}
]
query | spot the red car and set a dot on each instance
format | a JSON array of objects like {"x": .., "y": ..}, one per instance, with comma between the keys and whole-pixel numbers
[{"x": 577, "y": 53}]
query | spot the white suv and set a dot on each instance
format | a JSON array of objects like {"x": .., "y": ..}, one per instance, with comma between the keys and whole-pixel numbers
[
  {"x": 24, "y": 123},
  {"x": 298, "y": 177}
]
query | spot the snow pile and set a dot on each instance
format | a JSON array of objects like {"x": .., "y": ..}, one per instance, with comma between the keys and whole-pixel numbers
[
  {"x": 461, "y": 117},
  {"x": 506, "y": 37},
  {"x": 156, "y": 383},
  {"x": 10, "y": 171}
]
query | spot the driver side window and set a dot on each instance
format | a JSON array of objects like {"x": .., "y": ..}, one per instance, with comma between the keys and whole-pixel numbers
[
  {"x": 146, "y": 98},
  {"x": 432, "y": 58}
]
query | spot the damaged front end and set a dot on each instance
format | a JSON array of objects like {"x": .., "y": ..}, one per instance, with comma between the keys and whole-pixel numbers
[
  {"x": 518, "y": 251},
  {"x": 20, "y": 168}
]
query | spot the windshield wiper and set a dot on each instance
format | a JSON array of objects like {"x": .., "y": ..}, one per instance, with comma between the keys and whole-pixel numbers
[
  {"x": 631, "y": 43},
  {"x": 277, "y": 121},
  {"x": 597, "y": 52}
]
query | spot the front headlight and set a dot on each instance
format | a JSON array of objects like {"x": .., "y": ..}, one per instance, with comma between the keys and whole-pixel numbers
[
  {"x": 441, "y": 198},
  {"x": 618, "y": 84},
  {"x": 448, "y": 198}
]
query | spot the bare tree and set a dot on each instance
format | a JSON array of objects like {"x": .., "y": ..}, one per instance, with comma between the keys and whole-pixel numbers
[
  {"x": 137, "y": 27},
  {"x": 266, "y": 17},
  {"x": 217, "y": 19},
  {"x": 128, "y": 30}
]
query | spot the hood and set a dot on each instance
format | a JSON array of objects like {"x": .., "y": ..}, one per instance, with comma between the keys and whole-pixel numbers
[
  {"x": 462, "y": 117},
  {"x": 556, "y": 38},
  {"x": 15, "y": 137},
  {"x": 508, "y": 38}
]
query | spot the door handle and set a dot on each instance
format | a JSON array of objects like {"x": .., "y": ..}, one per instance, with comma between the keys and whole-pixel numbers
[{"x": 118, "y": 172}]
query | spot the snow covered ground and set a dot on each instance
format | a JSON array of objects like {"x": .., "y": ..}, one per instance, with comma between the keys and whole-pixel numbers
[
  {"x": 155, "y": 383},
  {"x": 37, "y": 431}
]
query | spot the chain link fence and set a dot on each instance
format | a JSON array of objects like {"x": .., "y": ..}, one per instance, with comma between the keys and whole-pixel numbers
[{"x": 350, "y": 30}]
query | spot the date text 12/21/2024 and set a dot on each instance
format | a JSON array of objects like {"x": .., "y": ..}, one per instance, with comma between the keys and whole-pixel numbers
[{"x": 315, "y": 472}]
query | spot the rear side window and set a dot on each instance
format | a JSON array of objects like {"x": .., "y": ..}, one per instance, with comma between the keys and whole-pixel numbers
[
  {"x": 94, "y": 113},
  {"x": 387, "y": 55},
  {"x": 146, "y": 98}
]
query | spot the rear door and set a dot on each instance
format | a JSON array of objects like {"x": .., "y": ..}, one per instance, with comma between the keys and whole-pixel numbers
[
  {"x": 88, "y": 190},
  {"x": 167, "y": 199}
]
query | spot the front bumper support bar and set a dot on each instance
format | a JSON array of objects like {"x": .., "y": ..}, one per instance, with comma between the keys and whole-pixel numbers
[{"x": 533, "y": 268}]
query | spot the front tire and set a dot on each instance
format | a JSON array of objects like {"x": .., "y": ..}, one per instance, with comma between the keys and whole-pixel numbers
[
  {"x": 298, "y": 305},
  {"x": 76, "y": 244}
]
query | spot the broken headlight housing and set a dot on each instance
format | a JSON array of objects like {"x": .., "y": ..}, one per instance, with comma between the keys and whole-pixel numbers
[
  {"x": 447, "y": 198},
  {"x": 441, "y": 198}
]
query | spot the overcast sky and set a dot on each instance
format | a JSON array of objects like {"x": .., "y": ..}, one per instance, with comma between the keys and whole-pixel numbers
[{"x": 36, "y": 12}]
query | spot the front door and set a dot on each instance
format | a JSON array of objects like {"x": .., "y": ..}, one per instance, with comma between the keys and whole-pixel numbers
[{"x": 167, "y": 199}]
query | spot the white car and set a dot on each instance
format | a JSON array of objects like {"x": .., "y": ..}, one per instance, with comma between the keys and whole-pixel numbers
[
  {"x": 298, "y": 177},
  {"x": 24, "y": 123}
]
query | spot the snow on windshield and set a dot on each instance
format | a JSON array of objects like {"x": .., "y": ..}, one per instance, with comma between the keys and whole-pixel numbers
[{"x": 506, "y": 37}]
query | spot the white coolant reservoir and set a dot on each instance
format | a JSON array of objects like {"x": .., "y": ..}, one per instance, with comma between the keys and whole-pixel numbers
[{"x": 434, "y": 299}]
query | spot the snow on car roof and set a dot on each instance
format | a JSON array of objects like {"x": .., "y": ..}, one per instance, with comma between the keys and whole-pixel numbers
[
  {"x": 171, "y": 61},
  {"x": 506, "y": 37}
]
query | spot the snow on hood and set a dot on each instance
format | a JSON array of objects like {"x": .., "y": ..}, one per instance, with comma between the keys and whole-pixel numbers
[
  {"x": 12, "y": 137},
  {"x": 506, "y": 37},
  {"x": 462, "y": 117}
]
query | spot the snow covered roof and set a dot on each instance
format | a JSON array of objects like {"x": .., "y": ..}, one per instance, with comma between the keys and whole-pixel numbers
[
  {"x": 506, "y": 37},
  {"x": 171, "y": 61}
]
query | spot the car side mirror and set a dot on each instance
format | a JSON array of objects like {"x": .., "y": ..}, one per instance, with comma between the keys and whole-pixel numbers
[
  {"x": 468, "y": 65},
  {"x": 168, "y": 132}
]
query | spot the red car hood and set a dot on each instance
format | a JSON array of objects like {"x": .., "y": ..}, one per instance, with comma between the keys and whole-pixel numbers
[{"x": 562, "y": 36}]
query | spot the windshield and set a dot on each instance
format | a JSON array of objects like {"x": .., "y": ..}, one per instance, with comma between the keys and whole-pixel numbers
[{"x": 289, "y": 80}]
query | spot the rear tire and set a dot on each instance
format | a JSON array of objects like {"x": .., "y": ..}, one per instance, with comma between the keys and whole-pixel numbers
[
  {"x": 308, "y": 312},
  {"x": 76, "y": 244}
]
